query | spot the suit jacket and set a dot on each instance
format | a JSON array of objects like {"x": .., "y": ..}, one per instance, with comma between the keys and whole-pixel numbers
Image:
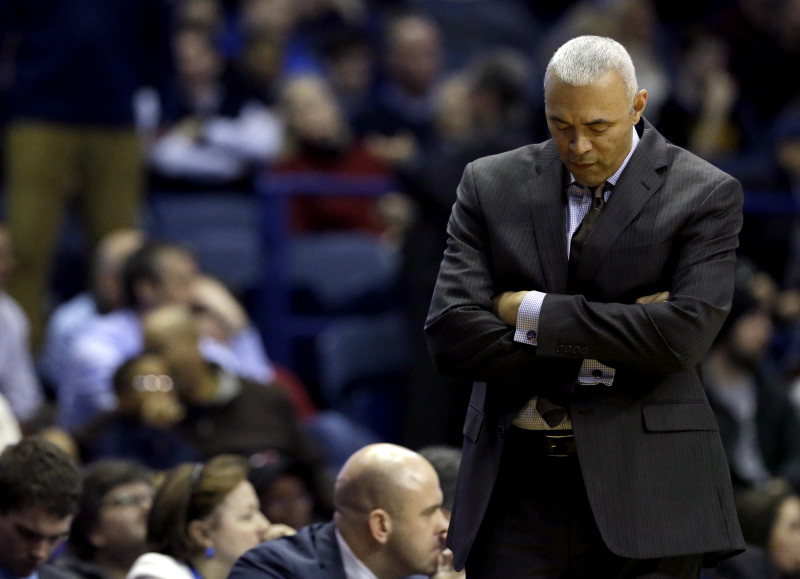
[
  {"x": 654, "y": 468},
  {"x": 312, "y": 552}
]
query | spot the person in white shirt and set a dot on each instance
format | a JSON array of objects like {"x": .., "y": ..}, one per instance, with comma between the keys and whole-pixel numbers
[
  {"x": 19, "y": 383},
  {"x": 157, "y": 274}
]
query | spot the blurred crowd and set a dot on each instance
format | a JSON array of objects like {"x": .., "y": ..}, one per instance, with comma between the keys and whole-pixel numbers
[{"x": 136, "y": 353}]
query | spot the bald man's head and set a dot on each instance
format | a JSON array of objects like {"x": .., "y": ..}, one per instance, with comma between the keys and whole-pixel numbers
[
  {"x": 380, "y": 476},
  {"x": 389, "y": 510}
]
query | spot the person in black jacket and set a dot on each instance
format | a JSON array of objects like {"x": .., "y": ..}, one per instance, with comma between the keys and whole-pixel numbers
[
  {"x": 39, "y": 491},
  {"x": 758, "y": 424},
  {"x": 110, "y": 529}
]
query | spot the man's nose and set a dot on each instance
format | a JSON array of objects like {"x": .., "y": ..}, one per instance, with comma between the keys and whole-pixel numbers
[
  {"x": 442, "y": 523},
  {"x": 580, "y": 144},
  {"x": 41, "y": 549}
]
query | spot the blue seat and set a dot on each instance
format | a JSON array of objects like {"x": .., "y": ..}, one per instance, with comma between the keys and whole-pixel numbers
[
  {"x": 311, "y": 279},
  {"x": 341, "y": 272},
  {"x": 363, "y": 364},
  {"x": 220, "y": 228}
]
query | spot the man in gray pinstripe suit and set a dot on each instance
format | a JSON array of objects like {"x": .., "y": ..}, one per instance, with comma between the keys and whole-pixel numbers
[{"x": 630, "y": 481}]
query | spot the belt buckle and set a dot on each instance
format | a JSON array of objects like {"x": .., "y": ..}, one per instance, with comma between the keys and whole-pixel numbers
[{"x": 560, "y": 445}]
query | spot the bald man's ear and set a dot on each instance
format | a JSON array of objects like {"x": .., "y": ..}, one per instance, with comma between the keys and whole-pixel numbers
[{"x": 380, "y": 525}]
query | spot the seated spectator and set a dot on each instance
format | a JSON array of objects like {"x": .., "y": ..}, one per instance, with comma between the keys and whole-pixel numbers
[
  {"x": 207, "y": 16},
  {"x": 19, "y": 383},
  {"x": 142, "y": 426},
  {"x": 758, "y": 425},
  {"x": 226, "y": 413},
  {"x": 278, "y": 20},
  {"x": 285, "y": 490},
  {"x": 319, "y": 141},
  {"x": 109, "y": 531},
  {"x": 211, "y": 135},
  {"x": 446, "y": 460},
  {"x": 770, "y": 521},
  {"x": 786, "y": 180},
  {"x": 158, "y": 273},
  {"x": 401, "y": 115},
  {"x": 388, "y": 523},
  {"x": 204, "y": 516},
  {"x": 351, "y": 69},
  {"x": 103, "y": 295},
  {"x": 256, "y": 69},
  {"x": 704, "y": 111},
  {"x": 40, "y": 487}
]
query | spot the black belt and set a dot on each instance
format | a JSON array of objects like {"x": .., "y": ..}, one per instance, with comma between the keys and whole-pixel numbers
[{"x": 556, "y": 443}]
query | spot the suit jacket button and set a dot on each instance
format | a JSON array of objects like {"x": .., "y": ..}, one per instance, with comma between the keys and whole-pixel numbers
[
  {"x": 584, "y": 351},
  {"x": 501, "y": 431},
  {"x": 559, "y": 349}
]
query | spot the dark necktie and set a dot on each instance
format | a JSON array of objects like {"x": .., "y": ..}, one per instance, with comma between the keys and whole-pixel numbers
[
  {"x": 553, "y": 414},
  {"x": 585, "y": 227}
]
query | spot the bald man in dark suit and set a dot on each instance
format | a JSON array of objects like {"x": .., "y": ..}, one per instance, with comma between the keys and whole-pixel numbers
[{"x": 590, "y": 449}]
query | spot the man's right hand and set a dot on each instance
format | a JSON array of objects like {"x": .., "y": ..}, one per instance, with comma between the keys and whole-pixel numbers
[
  {"x": 506, "y": 306},
  {"x": 657, "y": 298}
]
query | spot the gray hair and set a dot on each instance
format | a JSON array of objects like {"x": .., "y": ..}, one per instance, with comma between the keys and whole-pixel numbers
[{"x": 584, "y": 59}]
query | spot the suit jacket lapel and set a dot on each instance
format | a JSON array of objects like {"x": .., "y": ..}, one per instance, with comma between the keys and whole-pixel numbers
[
  {"x": 328, "y": 554},
  {"x": 546, "y": 196},
  {"x": 638, "y": 183}
]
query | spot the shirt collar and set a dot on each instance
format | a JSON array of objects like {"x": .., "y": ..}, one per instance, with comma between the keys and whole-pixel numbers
[
  {"x": 354, "y": 568},
  {"x": 613, "y": 179}
]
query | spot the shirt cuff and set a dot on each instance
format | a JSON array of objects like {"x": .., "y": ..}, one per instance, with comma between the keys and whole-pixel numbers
[{"x": 528, "y": 318}]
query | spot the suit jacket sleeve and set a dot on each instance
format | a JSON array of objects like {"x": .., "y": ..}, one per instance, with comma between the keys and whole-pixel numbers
[
  {"x": 667, "y": 337},
  {"x": 701, "y": 219},
  {"x": 465, "y": 338}
]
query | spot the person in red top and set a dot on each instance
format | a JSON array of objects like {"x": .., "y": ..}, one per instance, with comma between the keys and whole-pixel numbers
[{"x": 319, "y": 141}]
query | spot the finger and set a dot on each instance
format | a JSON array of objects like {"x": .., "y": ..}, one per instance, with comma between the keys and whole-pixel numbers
[
  {"x": 656, "y": 298},
  {"x": 660, "y": 298}
]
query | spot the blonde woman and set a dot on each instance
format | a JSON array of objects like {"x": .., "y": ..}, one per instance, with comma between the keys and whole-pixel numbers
[{"x": 204, "y": 516}]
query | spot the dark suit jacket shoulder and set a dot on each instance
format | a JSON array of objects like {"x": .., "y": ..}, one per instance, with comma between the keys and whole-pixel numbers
[{"x": 312, "y": 552}]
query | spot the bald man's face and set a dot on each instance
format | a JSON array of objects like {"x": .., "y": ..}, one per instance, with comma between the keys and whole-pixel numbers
[{"x": 420, "y": 528}]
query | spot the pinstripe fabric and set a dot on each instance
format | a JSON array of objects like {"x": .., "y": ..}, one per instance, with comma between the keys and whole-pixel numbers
[{"x": 649, "y": 451}]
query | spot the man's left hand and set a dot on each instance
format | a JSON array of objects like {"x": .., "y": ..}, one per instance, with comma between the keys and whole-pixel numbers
[{"x": 445, "y": 569}]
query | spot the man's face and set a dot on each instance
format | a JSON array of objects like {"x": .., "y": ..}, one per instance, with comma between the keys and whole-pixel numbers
[
  {"x": 122, "y": 525},
  {"x": 591, "y": 125},
  {"x": 178, "y": 272},
  {"x": 28, "y": 537},
  {"x": 419, "y": 530}
]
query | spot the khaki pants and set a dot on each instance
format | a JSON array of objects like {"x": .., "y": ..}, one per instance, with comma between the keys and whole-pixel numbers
[{"x": 45, "y": 164}]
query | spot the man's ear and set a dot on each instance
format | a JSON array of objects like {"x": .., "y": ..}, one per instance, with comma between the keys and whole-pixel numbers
[
  {"x": 96, "y": 539},
  {"x": 199, "y": 533},
  {"x": 639, "y": 104},
  {"x": 380, "y": 525}
]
